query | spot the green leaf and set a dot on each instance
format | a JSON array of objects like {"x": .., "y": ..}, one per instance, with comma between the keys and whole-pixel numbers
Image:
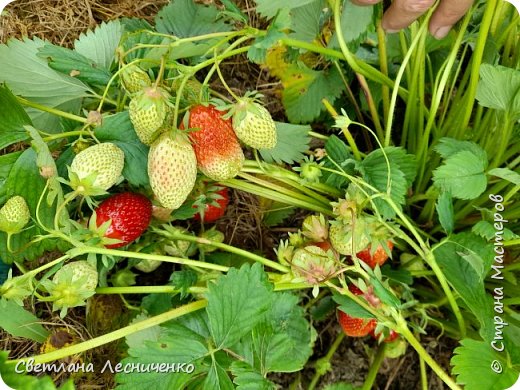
[
  {"x": 472, "y": 364},
  {"x": 180, "y": 341},
  {"x": 385, "y": 295},
  {"x": 269, "y": 8},
  {"x": 118, "y": 129},
  {"x": 462, "y": 175},
  {"x": 486, "y": 230},
  {"x": 236, "y": 303},
  {"x": 307, "y": 21},
  {"x": 506, "y": 174},
  {"x": 258, "y": 50},
  {"x": 25, "y": 180},
  {"x": 29, "y": 76},
  {"x": 355, "y": 21},
  {"x": 21, "y": 323},
  {"x": 137, "y": 339},
  {"x": 138, "y": 36},
  {"x": 218, "y": 378},
  {"x": 276, "y": 214},
  {"x": 304, "y": 90},
  {"x": 26, "y": 382},
  {"x": 499, "y": 88},
  {"x": 6, "y": 163},
  {"x": 68, "y": 62},
  {"x": 292, "y": 142},
  {"x": 375, "y": 171},
  {"x": 350, "y": 307},
  {"x": 444, "y": 208},
  {"x": 399, "y": 275},
  {"x": 447, "y": 147},
  {"x": 185, "y": 18},
  {"x": 341, "y": 386},
  {"x": 12, "y": 119},
  {"x": 467, "y": 277},
  {"x": 283, "y": 341},
  {"x": 246, "y": 378},
  {"x": 338, "y": 154},
  {"x": 100, "y": 45}
]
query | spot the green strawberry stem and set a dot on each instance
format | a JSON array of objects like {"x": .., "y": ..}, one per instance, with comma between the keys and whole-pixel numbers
[
  {"x": 344, "y": 130},
  {"x": 322, "y": 365},
  {"x": 424, "y": 376},
  {"x": 75, "y": 252},
  {"x": 374, "y": 367},
  {"x": 225, "y": 247},
  {"x": 115, "y": 335},
  {"x": 51, "y": 110},
  {"x": 308, "y": 204},
  {"x": 383, "y": 64},
  {"x": 371, "y": 105},
  {"x": 215, "y": 66},
  {"x": 402, "y": 329},
  {"x": 66, "y": 134},
  {"x": 224, "y": 83},
  {"x": 268, "y": 184}
]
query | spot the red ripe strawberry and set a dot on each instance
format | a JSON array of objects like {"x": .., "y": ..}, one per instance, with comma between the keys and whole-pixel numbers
[
  {"x": 325, "y": 245},
  {"x": 212, "y": 212},
  {"x": 356, "y": 327},
  {"x": 219, "y": 155},
  {"x": 379, "y": 256},
  {"x": 130, "y": 214},
  {"x": 392, "y": 336}
]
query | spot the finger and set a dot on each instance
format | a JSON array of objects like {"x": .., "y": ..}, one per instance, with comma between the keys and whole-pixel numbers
[
  {"x": 446, "y": 15},
  {"x": 403, "y": 12},
  {"x": 365, "y": 2}
]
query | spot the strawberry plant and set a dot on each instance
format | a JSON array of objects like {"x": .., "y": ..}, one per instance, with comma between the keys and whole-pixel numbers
[{"x": 402, "y": 197}]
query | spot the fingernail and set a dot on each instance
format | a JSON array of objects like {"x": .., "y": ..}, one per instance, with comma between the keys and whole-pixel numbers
[{"x": 441, "y": 32}]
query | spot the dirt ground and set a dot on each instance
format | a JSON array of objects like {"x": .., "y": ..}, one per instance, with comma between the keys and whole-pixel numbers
[{"x": 61, "y": 22}]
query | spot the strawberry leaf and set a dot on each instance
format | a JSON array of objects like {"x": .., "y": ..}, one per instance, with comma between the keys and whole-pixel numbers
[
  {"x": 506, "y": 174},
  {"x": 465, "y": 260},
  {"x": 355, "y": 22},
  {"x": 15, "y": 380},
  {"x": 31, "y": 77},
  {"x": 444, "y": 208},
  {"x": 246, "y": 378},
  {"x": 21, "y": 323},
  {"x": 25, "y": 180},
  {"x": 12, "y": 119},
  {"x": 100, "y": 45},
  {"x": 236, "y": 303},
  {"x": 447, "y": 147},
  {"x": 292, "y": 142},
  {"x": 350, "y": 307},
  {"x": 307, "y": 20},
  {"x": 504, "y": 98},
  {"x": 472, "y": 364},
  {"x": 185, "y": 18},
  {"x": 462, "y": 175},
  {"x": 269, "y": 8},
  {"x": 72, "y": 63},
  {"x": 304, "y": 90},
  {"x": 486, "y": 230}
]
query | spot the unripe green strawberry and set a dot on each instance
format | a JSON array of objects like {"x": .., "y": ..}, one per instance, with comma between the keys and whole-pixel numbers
[
  {"x": 313, "y": 264},
  {"x": 97, "y": 167},
  {"x": 148, "y": 112},
  {"x": 71, "y": 285},
  {"x": 348, "y": 239},
  {"x": 134, "y": 79},
  {"x": 147, "y": 265},
  {"x": 254, "y": 125},
  {"x": 14, "y": 215},
  {"x": 172, "y": 169}
]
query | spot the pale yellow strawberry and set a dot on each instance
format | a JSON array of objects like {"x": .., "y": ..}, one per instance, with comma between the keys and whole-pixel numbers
[
  {"x": 172, "y": 168},
  {"x": 254, "y": 125},
  {"x": 134, "y": 79},
  {"x": 14, "y": 215},
  {"x": 148, "y": 112}
]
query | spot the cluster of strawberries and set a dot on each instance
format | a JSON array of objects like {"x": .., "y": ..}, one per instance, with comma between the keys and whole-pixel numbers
[{"x": 208, "y": 138}]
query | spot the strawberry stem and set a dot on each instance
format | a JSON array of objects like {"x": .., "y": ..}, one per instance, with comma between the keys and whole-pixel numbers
[
  {"x": 223, "y": 81},
  {"x": 51, "y": 110},
  {"x": 115, "y": 335},
  {"x": 374, "y": 367},
  {"x": 323, "y": 364}
]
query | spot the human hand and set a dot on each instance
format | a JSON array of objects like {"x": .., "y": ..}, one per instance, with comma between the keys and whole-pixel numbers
[{"x": 403, "y": 12}]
